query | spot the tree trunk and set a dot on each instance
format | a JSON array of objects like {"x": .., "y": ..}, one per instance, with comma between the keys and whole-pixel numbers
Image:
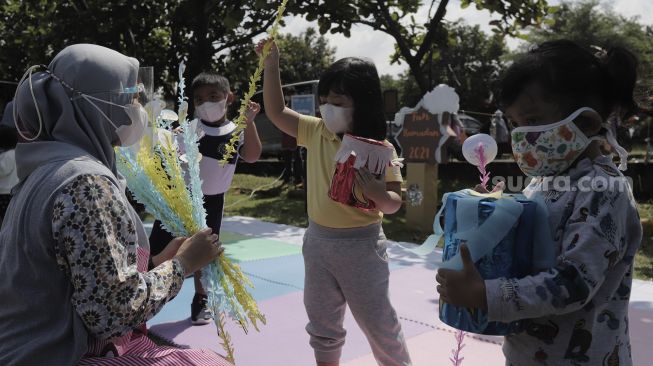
[
  {"x": 201, "y": 49},
  {"x": 415, "y": 62},
  {"x": 420, "y": 76}
]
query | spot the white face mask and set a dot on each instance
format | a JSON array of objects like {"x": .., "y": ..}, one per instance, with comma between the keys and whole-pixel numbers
[
  {"x": 132, "y": 134},
  {"x": 128, "y": 134},
  {"x": 211, "y": 111},
  {"x": 336, "y": 119}
]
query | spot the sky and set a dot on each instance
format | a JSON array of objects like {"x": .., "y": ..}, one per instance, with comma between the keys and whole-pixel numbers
[{"x": 378, "y": 46}]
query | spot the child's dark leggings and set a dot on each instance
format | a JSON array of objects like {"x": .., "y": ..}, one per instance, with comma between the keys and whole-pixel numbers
[{"x": 214, "y": 205}]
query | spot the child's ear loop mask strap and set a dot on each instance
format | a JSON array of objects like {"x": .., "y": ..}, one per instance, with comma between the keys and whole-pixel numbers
[
  {"x": 610, "y": 127},
  {"x": 623, "y": 154},
  {"x": 612, "y": 140}
]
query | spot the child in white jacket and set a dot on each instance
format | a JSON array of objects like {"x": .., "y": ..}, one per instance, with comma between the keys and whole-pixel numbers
[{"x": 8, "y": 176}]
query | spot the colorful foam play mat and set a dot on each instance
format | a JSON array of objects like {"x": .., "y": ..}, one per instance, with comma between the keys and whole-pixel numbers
[{"x": 271, "y": 255}]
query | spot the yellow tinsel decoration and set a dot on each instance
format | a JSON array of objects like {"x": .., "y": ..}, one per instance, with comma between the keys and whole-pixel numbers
[
  {"x": 227, "y": 345},
  {"x": 171, "y": 187},
  {"x": 164, "y": 170},
  {"x": 240, "y": 123}
]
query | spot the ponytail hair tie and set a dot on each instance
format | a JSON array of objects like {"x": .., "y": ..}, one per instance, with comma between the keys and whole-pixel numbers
[{"x": 600, "y": 53}]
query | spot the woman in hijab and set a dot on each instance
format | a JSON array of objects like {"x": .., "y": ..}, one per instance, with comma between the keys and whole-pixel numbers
[{"x": 73, "y": 253}]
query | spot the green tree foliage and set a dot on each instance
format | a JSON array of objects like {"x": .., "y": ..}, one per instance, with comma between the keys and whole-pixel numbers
[
  {"x": 416, "y": 40},
  {"x": 408, "y": 91},
  {"x": 158, "y": 33},
  {"x": 305, "y": 56},
  {"x": 206, "y": 32},
  {"x": 592, "y": 24},
  {"x": 389, "y": 82},
  {"x": 32, "y": 31},
  {"x": 469, "y": 61}
]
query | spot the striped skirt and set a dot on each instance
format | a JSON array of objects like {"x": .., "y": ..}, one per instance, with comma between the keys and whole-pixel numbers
[
  {"x": 136, "y": 349},
  {"x": 141, "y": 351}
]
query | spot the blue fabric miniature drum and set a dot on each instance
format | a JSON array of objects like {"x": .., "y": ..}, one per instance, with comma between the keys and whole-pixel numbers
[{"x": 507, "y": 235}]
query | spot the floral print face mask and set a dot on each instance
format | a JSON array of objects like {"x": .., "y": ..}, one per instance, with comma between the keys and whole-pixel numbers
[{"x": 549, "y": 150}]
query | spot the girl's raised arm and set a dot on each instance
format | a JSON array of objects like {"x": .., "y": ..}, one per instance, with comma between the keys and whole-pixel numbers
[{"x": 284, "y": 118}]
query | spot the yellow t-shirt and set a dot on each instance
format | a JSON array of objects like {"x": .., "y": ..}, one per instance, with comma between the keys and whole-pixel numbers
[{"x": 322, "y": 146}]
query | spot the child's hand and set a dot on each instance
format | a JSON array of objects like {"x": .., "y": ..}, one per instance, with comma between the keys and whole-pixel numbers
[
  {"x": 465, "y": 288},
  {"x": 499, "y": 187},
  {"x": 199, "y": 250},
  {"x": 169, "y": 251},
  {"x": 273, "y": 56},
  {"x": 252, "y": 110},
  {"x": 373, "y": 188}
]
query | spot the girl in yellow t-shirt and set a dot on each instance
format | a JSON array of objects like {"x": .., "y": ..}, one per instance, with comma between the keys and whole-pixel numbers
[{"x": 344, "y": 247}]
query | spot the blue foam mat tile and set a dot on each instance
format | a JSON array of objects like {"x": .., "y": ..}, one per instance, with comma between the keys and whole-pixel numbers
[
  {"x": 178, "y": 308},
  {"x": 287, "y": 271},
  {"x": 265, "y": 288},
  {"x": 402, "y": 257},
  {"x": 271, "y": 278},
  {"x": 274, "y": 277}
]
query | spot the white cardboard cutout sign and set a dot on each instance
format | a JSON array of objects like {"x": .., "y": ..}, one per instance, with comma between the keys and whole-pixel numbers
[{"x": 442, "y": 98}]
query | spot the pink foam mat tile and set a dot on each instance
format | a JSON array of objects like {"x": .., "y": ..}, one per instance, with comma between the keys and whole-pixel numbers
[
  {"x": 640, "y": 326},
  {"x": 282, "y": 341},
  {"x": 434, "y": 348}
]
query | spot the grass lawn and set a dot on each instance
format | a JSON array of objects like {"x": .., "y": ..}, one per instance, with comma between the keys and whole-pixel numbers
[
  {"x": 267, "y": 199},
  {"x": 282, "y": 204},
  {"x": 644, "y": 259},
  {"x": 272, "y": 202}
]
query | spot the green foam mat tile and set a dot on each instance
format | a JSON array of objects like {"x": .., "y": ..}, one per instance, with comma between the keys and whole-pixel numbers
[
  {"x": 242, "y": 248},
  {"x": 227, "y": 237}
]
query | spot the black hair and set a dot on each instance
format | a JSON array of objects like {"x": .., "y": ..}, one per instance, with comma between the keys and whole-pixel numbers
[
  {"x": 212, "y": 79},
  {"x": 575, "y": 77},
  {"x": 359, "y": 80},
  {"x": 8, "y": 138}
]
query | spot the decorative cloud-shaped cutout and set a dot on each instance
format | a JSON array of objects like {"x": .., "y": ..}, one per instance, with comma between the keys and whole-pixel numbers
[{"x": 442, "y": 98}]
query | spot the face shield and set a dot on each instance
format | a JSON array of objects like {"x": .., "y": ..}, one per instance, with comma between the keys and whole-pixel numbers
[
  {"x": 141, "y": 92},
  {"x": 151, "y": 102},
  {"x": 112, "y": 103},
  {"x": 132, "y": 100},
  {"x": 121, "y": 107}
]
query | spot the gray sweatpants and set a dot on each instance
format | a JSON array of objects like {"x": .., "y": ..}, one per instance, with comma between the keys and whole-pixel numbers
[{"x": 350, "y": 267}]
